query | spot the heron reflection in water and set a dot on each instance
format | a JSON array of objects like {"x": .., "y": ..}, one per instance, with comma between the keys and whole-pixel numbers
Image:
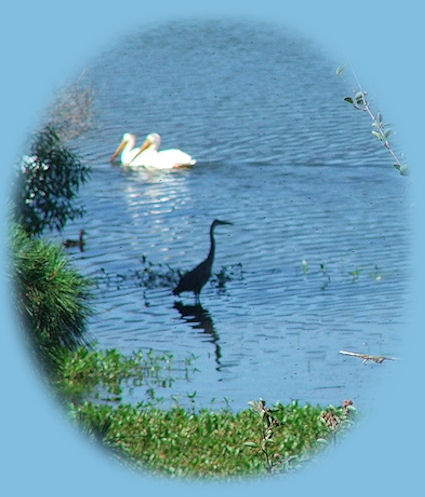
[
  {"x": 200, "y": 319},
  {"x": 194, "y": 280}
]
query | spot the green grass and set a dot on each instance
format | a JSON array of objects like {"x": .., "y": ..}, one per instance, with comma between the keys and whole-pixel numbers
[{"x": 211, "y": 444}]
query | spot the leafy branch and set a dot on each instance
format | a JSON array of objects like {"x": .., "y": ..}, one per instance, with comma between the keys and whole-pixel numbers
[
  {"x": 381, "y": 130},
  {"x": 48, "y": 181}
]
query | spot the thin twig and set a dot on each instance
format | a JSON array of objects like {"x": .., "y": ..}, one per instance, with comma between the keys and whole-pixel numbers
[
  {"x": 376, "y": 358},
  {"x": 361, "y": 103}
]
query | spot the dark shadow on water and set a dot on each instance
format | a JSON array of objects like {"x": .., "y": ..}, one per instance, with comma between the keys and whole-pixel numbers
[{"x": 200, "y": 319}]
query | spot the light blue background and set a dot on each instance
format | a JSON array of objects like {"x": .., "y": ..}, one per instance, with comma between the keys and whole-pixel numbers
[{"x": 45, "y": 42}]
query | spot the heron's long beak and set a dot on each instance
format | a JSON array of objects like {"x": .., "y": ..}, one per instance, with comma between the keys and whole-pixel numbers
[{"x": 118, "y": 150}]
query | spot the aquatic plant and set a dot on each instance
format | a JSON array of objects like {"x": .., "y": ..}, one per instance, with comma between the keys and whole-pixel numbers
[
  {"x": 157, "y": 275},
  {"x": 88, "y": 373},
  {"x": 331, "y": 272},
  {"x": 355, "y": 273},
  {"x": 326, "y": 274},
  {"x": 226, "y": 273}
]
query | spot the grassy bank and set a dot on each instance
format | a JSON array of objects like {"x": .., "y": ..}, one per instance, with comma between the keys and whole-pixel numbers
[
  {"x": 178, "y": 441},
  {"x": 211, "y": 444}
]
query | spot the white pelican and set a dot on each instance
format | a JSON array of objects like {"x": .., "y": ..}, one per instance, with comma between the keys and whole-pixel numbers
[
  {"x": 148, "y": 156},
  {"x": 126, "y": 148}
]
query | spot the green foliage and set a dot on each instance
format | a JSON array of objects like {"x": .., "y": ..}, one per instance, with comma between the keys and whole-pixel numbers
[
  {"x": 187, "y": 442},
  {"x": 401, "y": 168},
  {"x": 101, "y": 373},
  {"x": 51, "y": 297},
  {"x": 47, "y": 183},
  {"x": 268, "y": 422},
  {"x": 339, "y": 69},
  {"x": 207, "y": 443}
]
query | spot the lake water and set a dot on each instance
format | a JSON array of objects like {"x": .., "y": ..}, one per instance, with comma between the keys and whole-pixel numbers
[{"x": 297, "y": 172}]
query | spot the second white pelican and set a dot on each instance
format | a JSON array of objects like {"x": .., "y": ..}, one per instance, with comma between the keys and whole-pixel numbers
[{"x": 148, "y": 156}]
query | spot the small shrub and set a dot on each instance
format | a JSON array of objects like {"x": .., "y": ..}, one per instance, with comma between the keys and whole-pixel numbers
[{"x": 48, "y": 181}]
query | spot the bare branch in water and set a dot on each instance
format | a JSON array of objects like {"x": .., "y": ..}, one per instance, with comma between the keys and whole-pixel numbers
[{"x": 375, "y": 358}]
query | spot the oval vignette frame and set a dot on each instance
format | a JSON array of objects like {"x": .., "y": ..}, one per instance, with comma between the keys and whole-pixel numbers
[{"x": 37, "y": 434}]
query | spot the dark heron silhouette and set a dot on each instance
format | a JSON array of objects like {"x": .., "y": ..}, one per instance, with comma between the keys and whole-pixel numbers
[{"x": 194, "y": 280}]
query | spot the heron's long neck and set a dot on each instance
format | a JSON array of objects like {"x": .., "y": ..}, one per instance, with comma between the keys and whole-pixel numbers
[{"x": 212, "y": 244}]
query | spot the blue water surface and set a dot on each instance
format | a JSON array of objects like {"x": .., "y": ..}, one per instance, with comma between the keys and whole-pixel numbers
[{"x": 317, "y": 256}]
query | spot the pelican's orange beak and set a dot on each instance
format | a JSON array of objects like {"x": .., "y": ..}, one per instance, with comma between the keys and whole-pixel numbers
[
  {"x": 118, "y": 150},
  {"x": 145, "y": 145}
]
